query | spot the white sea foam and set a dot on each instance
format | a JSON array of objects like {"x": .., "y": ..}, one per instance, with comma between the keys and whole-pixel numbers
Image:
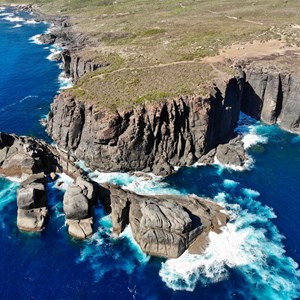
[
  {"x": 249, "y": 163},
  {"x": 53, "y": 53},
  {"x": 17, "y": 26},
  {"x": 43, "y": 120},
  {"x": 138, "y": 182},
  {"x": 245, "y": 247},
  {"x": 31, "y": 21},
  {"x": 247, "y": 127},
  {"x": 7, "y": 195},
  {"x": 228, "y": 183},
  {"x": 6, "y": 14},
  {"x": 64, "y": 81},
  {"x": 13, "y": 19},
  {"x": 36, "y": 39},
  {"x": 253, "y": 138},
  {"x": 63, "y": 181}
]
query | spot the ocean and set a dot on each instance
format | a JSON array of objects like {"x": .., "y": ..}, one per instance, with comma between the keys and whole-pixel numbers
[{"x": 255, "y": 257}]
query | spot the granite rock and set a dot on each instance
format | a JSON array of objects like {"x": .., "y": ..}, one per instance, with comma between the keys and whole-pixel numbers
[{"x": 164, "y": 226}]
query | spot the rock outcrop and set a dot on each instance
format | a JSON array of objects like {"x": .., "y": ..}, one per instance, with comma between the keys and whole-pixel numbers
[
  {"x": 230, "y": 154},
  {"x": 273, "y": 97},
  {"x": 77, "y": 204},
  {"x": 164, "y": 226},
  {"x": 29, "y": 159},
  {"x": 31, "y": 201},
  {"x": 25, "y": 156},
  {"x": 152, "y": 138},
  {"x": 76, "y": 66}
]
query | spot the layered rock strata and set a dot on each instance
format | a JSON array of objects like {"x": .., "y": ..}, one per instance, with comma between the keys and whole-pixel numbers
[{"x": 164, "y": 226}]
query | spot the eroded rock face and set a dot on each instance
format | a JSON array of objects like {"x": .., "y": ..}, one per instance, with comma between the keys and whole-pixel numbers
[
  {"x": 30, "y": 159},
  {"x": 153, "y": 138},
  {"x": 273, "y": 97},
  {"x": 165, "y": 225},
  {"x": 25, "y": 156},
  {"x": 32, "y": 201},
  {"x": 77, "y": 204},
  {"x": 31, "y": 220},
  {"x": 231, "y": 154}
]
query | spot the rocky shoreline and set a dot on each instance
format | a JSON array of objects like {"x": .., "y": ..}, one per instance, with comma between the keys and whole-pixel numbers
[
  {"x": 164, "y": 226},
  {"x": 154, "y": 138}
]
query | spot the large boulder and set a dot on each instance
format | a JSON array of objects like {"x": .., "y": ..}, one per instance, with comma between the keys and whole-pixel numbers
[
  {"x": 31, "y": 219},
  {"x": 80, "y": 229},
  {"x": 232, "y": 153},
  {"x": 77, "y": 205},
  {"x": 31, "y": 201},
  {"x": 164, "y": 226}
]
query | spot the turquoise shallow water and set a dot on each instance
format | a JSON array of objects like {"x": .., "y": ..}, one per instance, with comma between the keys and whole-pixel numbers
[{"x": 254, "y": 258}]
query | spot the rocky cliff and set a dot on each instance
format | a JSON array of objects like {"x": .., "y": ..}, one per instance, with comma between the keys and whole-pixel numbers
[
  {"x": 273, "y": 97},
  {"x": 162, "y": 225},
  {"x": 150, "y": 138}
]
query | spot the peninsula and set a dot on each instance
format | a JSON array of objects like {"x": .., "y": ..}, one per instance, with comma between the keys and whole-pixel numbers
[{"x": 157, "y": 84}]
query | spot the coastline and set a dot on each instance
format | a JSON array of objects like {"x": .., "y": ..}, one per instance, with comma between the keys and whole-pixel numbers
[{"x": 169, "y": 268}]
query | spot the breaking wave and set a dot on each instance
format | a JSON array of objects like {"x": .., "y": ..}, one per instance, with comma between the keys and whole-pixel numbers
[
  {"x": 7, "y": 192},
  {"x": 248, "y": 127},
  {"x": 250, "y": 246},
  {"x": 106, "y": 253}
]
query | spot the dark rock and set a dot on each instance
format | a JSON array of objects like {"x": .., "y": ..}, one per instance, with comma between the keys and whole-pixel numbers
[
  {"x": 232, "y": 153},
  {"x": 153, "y": 138},
  {"x": 273, "y": 97},
  {"x": 47, "y": 38}
]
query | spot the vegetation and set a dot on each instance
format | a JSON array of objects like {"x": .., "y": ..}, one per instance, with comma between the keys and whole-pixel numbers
[{"x": 156, "y": 47}]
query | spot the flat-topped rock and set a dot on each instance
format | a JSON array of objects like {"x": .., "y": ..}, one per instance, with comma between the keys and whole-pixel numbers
[
  {"x": 31, "y": 219},
  {"x": 80, "y": 229}
]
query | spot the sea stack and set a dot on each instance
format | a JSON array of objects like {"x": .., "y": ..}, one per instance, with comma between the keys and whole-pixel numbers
[{"x": 78, "y": 202}]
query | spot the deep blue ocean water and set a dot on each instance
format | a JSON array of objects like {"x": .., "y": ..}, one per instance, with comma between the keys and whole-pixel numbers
[{"x": 255, "y": 257}]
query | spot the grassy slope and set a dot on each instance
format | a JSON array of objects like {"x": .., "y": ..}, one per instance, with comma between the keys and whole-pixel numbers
[{"x": 135, "y": 35}]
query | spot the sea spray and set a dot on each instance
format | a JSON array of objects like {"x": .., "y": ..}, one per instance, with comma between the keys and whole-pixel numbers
[
  {"x": 7, "y": 192},
  {"x": 249, "y": 245}
]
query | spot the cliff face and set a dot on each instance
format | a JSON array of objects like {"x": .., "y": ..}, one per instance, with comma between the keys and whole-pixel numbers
[
  {"x": 75, "y": 66},
  {"x": 273, "y": 98},
  {"x": 151, "y": 138}
]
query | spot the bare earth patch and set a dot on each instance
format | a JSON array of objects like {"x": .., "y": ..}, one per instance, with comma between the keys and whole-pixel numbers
[{"x": 253, "y": 50}]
